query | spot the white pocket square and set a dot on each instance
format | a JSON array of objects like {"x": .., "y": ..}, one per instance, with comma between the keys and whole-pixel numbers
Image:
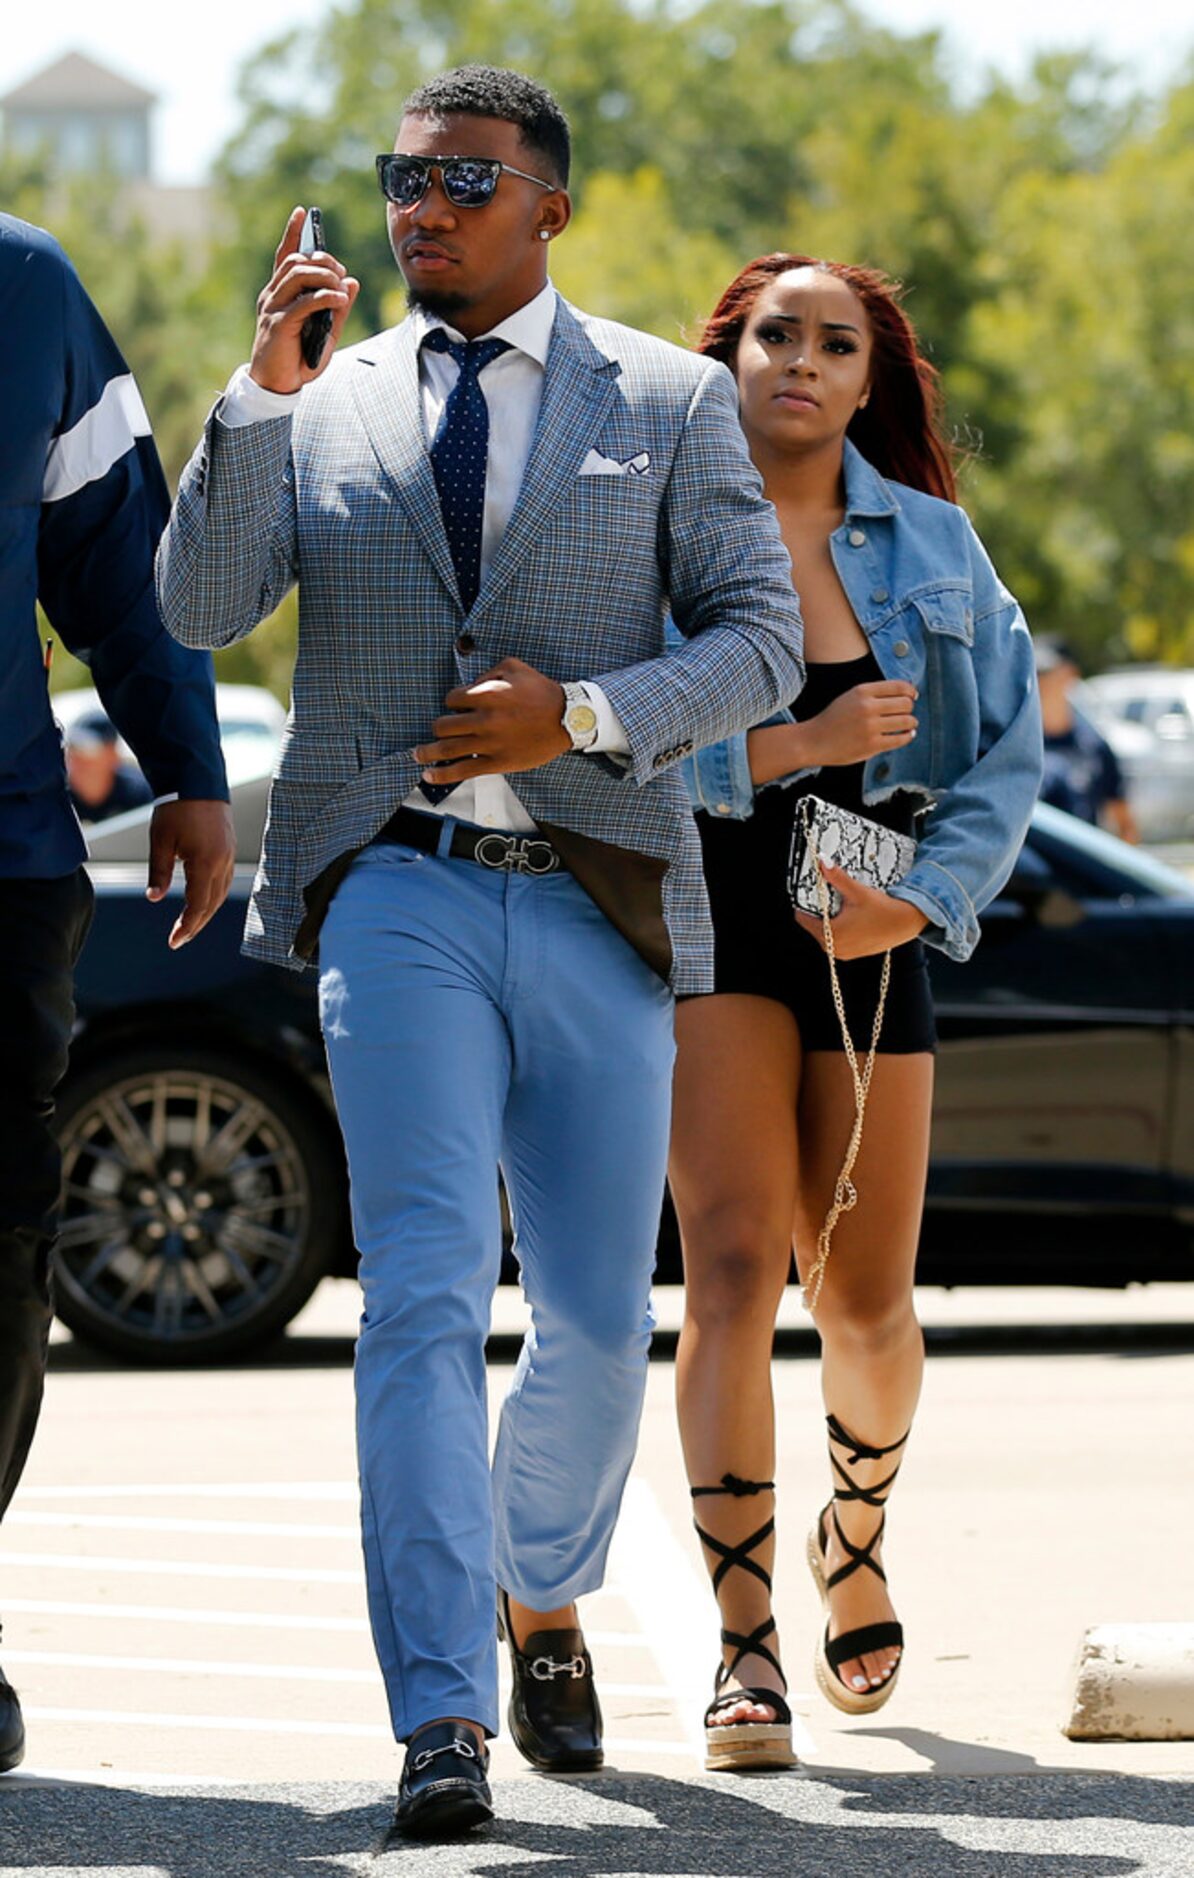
[{"x": 597, "y": 465}]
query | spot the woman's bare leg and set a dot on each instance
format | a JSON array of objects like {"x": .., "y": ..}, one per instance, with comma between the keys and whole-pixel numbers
[
  {"x": 733, "y": 1179},
  {"x": 872, "y": 1347}
]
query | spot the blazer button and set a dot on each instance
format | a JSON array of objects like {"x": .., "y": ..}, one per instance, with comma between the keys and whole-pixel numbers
[{"x": 466, "y": 644}]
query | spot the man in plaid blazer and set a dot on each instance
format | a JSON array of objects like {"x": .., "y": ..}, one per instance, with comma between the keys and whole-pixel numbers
[{"x": 477, "y": 816}]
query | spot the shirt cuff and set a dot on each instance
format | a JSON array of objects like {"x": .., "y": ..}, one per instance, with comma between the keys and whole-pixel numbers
[
  {"x": 611, "y": 738},
  {"x": 246, "y": 402}
]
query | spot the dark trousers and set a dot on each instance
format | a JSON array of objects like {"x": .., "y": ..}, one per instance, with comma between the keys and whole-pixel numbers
[{"x": 43, "y": 924}]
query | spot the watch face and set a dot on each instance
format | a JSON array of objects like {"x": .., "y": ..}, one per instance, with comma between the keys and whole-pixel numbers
[{"x": 581, "y": 719}]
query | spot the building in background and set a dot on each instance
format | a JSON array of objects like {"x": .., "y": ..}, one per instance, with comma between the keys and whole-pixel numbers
[{"x": 86, "y": 119}]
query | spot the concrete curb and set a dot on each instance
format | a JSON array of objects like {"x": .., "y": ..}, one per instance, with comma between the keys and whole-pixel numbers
[{"x": 1135, "y": 1683}]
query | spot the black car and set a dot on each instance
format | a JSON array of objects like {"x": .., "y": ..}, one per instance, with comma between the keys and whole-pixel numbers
[{"x": 205, "y": 1191}]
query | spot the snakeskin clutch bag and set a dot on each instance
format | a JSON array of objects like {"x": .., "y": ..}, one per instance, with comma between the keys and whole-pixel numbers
[{"x": 876, "y": 856}]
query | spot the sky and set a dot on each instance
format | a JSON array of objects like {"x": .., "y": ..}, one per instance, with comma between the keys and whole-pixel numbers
[{"x": 190, "y": 55}]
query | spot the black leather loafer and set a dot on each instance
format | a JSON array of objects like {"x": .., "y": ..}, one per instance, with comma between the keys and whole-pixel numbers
[
  {"x": 12, "y": 1727},
  {"x": 443, "y": 1791},
  {"x": 555, "y": 1717}
]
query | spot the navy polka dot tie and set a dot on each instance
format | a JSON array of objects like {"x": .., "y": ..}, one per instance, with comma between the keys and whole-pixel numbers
[
  {"x": 459, "y": 452},
  {"x": 458, "y": 459}
]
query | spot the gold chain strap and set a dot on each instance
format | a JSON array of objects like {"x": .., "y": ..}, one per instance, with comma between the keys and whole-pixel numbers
[{"x": 845, "y": 1194}]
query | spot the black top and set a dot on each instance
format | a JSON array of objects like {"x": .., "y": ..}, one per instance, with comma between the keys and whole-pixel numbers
[
  {"x": 839, "y": 783},
  {"x": 758, "y": 947}
]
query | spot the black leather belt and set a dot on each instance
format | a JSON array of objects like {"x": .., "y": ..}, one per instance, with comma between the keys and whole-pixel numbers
[{"x": 507, "y": 854}]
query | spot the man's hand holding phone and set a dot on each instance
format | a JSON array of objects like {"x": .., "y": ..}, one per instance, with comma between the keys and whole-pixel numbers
[{"x": 300, "y": 285}]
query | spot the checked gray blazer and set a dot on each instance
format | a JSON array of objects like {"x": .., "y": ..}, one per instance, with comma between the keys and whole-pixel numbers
[{"x": 341, "y": 498}]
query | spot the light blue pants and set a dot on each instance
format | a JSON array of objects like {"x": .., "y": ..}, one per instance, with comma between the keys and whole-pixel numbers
[{"x": 474, "y": 1018}]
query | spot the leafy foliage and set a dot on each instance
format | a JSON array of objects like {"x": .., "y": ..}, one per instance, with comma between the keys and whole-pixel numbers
[{"x": 1038, "y": 227}]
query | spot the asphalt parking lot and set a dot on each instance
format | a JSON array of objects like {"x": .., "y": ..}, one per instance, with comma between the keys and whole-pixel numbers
[{"x": 184, "y": 1616}]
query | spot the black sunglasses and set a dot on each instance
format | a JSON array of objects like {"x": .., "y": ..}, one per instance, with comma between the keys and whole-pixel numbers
[{"x": 468, "y": 182}]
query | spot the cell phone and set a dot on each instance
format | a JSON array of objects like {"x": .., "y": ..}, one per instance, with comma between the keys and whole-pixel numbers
[{"x": 317, "y": 326}]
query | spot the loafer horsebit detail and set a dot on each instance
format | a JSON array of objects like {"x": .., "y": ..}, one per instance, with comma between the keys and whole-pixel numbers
[
  {"x": 425, "y": 1758},
  {"x": 516, "y": 854},
  {"x": 546, "y": 1669}
]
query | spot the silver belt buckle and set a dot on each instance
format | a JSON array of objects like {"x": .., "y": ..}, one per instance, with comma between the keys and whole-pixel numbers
[{"x": 516, "y": 854}]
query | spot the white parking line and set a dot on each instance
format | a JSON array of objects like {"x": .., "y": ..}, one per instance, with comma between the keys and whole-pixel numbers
[
  {"x": 191, "y": 1666},
  {"x": 184, "y": 1568},
  {"x": 221, "y": 1724},
  {"x": 247, "y": 1620},
  {"x": 113, "y": 1777},
  {"x": 183, "y": 1614},
  {"x": 272, "y": 1725},
  {"x": 340, "y": 1491},
  {"x": 136, "y": 1522},
  {"x": 261, "y": 1672}
]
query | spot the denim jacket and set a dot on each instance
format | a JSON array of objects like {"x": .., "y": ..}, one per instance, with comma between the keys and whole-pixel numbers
[{"x": 935, "y": 612}]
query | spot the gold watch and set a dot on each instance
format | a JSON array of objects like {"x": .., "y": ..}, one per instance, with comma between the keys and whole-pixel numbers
[{"x": 579, "y": 719}]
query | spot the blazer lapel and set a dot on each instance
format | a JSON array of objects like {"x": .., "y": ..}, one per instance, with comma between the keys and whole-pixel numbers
[
  {"x": 579, "y": 386},
  {"x": 385, "y": 388}
]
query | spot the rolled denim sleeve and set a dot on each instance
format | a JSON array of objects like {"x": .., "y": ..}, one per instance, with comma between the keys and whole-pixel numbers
[
  {"x": 718, "y": 778},
  {"x": 974, "y": 834}
]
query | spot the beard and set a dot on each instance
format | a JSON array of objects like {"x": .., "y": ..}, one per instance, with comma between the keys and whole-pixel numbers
[{"x": 424, "y": 300}]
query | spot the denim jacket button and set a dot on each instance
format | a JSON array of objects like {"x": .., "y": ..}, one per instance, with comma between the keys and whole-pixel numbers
[
  {"x": 901, "y": 648},
  {"x": 723, "y": 808},
  {"x": 856, "y": 538},
  {"x": 879, "y": 596}
]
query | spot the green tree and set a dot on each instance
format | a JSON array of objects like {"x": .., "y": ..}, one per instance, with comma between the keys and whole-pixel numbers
[
  {"x": 1037, "y": 224},
  {"x": 1085, "y": 342}
]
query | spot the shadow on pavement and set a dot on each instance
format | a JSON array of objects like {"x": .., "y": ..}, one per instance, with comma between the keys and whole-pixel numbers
[
  {"x": 1049, "y": 1792},
  {"x": 1063, "y": 1826}
]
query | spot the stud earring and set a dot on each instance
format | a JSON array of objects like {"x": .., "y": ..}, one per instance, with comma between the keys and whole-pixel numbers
[{"x": 545, "y": 234}]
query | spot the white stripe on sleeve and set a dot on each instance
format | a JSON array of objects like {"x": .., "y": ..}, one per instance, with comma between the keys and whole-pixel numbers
[{"x": 101, "y": 437}]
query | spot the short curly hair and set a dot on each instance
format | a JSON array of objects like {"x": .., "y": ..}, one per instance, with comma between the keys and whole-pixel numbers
[{"x": 491, "y": 91}]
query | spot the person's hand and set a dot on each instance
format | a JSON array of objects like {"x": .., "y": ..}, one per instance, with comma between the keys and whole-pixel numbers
[
  {"x": 862, "y": 722},
  {"x": 510, "y": 719},
  {"x": 202, "y": 837},
  {"x": 300, "y": 284},
  {"x": 869, "y": 921}
]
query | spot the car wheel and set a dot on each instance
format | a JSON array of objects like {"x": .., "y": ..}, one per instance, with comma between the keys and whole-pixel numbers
[{"x": 201, "y": 1202}]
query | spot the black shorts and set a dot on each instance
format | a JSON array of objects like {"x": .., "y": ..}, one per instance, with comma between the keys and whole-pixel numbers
[{"x": 760, "y": 950}]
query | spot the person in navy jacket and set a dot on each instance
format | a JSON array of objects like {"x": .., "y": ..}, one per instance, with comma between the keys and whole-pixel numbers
[{"x": 82, "y": 504}]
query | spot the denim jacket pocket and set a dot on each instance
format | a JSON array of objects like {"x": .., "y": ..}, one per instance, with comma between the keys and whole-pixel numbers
[{"x": 948, "y": 610}]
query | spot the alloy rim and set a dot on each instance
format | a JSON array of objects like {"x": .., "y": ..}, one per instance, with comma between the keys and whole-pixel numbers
[{"x": 185, "y": 1206}]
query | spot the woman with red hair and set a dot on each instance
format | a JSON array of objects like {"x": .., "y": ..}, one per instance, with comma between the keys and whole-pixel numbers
[{"x": 920, "y": 714}]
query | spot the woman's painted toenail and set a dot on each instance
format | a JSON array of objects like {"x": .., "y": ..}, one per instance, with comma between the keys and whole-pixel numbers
[{"x": 859, "y": 1682}]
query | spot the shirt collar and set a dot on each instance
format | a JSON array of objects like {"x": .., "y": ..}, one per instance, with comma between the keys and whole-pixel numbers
[{"x": 528, "y": 330}]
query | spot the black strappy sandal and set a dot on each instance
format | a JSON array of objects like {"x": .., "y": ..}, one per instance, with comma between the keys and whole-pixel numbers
[
  {"x": 831, "y": 1654},
  {"x": 731, "y": 1747}
]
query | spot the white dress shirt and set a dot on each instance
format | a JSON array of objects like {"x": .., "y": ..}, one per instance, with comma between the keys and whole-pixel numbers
[{"x": 512, "y": 385}]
